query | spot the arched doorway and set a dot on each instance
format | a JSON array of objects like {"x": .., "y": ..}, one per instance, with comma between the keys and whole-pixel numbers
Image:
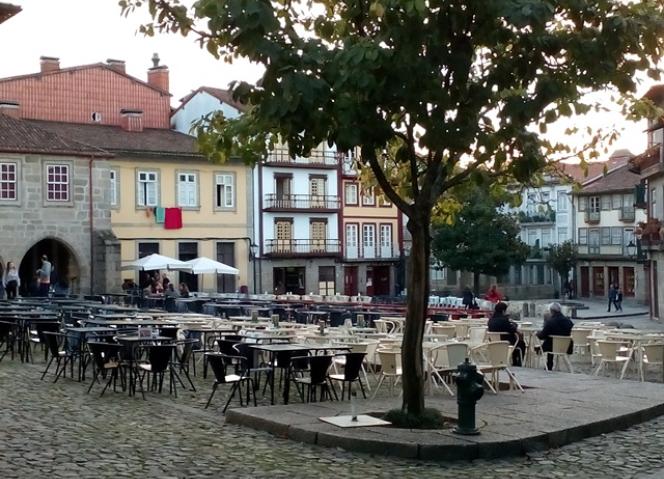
[{"x": 66, "y": 267}]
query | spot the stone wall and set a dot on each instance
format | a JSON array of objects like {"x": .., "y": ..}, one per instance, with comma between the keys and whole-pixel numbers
[{"x": 32, "y": 218}]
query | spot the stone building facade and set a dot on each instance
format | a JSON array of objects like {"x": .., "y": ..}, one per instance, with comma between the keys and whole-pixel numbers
[{"x": 52, "y": 196}]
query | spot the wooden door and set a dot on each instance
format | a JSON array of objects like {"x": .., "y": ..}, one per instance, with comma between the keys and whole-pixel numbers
[
  {"x": 350, "y": 280},
  {"x": 628, "y": 281},
  {"x": 283, "y": 235},
  {"x": 585, "y": 281},
  {"x": 381, "y": 280},
  {"x": 318, "y": 234},
  {"x": 598, "y": 281}
]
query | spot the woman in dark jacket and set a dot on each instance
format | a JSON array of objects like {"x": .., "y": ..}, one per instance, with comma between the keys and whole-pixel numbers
[
  {"x": 468, "y": 298},
  {"x": 500, "y": 323}
]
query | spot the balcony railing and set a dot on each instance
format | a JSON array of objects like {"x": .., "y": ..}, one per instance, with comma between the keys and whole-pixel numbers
[
  {"x": 370, "y": 252},
  {"x": 302, "y": 247},
  {"x": 627, "y": 213},
  {"x": 301, "y": 202},
  {"x": 537, "y": 217},
  {"x": 316, "y": 158},
  {"x": 592, "y": 216}
]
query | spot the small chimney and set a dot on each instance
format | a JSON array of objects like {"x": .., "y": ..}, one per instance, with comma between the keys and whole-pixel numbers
[
  {"x": 10, "y": 108},
  {"x": 131, "y": 120},
  {"x": 49, "y": 64},
  {"x": 158, "y": 75},
  {"x": 117, "y": 65}
]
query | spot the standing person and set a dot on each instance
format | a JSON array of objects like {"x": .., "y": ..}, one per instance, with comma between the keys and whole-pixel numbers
[
  {"x": 612, "y": 297},
  {"x": 44, "y": 276},
  {"x": 468, "y": 298},
  {"x": 556, "y": 325},
  {"x": 11, "y": 280},
  {"x": 619, "y": 298}
]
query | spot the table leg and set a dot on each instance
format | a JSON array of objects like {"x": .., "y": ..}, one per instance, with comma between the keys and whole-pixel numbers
[
  {"x": 287, "y": 385},
  {"x": 273, "y": 361}
]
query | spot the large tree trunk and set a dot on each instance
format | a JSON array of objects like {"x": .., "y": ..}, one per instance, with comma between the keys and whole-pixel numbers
[
  {"x": 418, "y": 301},
  {"x": 476, "y": 284}
]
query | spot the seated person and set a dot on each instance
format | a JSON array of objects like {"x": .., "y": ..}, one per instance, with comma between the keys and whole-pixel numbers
[
  {"x": 170, "y": 291},
  {"x": 556, "y": 325},
  {"x": 494, "y": 295},
  {"x": 184, "y": 290},
  {"x": 500, "y": 323}
]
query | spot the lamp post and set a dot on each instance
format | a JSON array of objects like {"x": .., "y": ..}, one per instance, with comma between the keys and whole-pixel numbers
[
  {"x": 253, "y": 251},
  {"x": 631, "y": 249}
]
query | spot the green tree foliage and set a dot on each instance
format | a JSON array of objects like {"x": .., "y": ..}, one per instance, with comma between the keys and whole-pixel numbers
[
  {"x": 562, "y": 258},
  {"x": 482, "y": 239},
  {"x": 431, "y": 92}
]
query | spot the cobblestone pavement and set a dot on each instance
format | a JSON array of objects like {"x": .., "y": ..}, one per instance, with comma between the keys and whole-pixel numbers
[{"x": 56, "y": 430}]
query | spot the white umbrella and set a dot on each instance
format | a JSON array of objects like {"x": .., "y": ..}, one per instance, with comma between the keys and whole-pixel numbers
[
  {"x": 206, "y": 265},
  {"x": 156, "y": 261}
]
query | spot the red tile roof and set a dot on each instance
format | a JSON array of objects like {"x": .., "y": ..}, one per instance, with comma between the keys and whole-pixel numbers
[
  {"x": 20, "y": 136},
  {"x": 593, "y": 169},
  {"x": 620, "y": 179},
  {"x": 157, "y": 142},
  {"x": 7, "y": 10}
]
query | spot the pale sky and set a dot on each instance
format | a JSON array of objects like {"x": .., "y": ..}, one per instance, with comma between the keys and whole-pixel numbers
[{"x": 88, "y": 31}]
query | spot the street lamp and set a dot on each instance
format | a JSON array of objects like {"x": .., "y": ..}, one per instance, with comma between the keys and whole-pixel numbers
[
  {"x": 253, "y": 251},
  {"x": 631, "y": 249}
]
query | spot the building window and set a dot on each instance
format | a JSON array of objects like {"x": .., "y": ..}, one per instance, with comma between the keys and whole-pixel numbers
[
  {"x": 606, "y": 236},
  {"x": 385, "y": 241},
  {"x": 532, "y": 237},
  {"x": 369, "y": 240},
  {"x": 368, "y": 198},
  {"x": 226, "y": 255},
  {"x": 351, "y": 241},
  {"x": 224, "y": 190},
  {"x": 594, "y": 205},
  {"x": 350, "y": 194},
  {"x": 563, "y": 201},
  {"x": 546, "y": 238},
  {"x": 318, "y": 234},
  {"x": 583, "y": 203},
  {"x": 593, "y": 241},
  {"x": 147, "y": 188},
  {"x": 146, "y": 249},
  {"x": 8, "y": 181},
  {"x": 606, "y": 202},
  {"x": 114, "y": 188},
  {"x": 326, "y": 280},
  {"x": 187, "y": 190},
  {"x": 583, "y": 236},
  {"x": 616, "y": 236},
  {"x": 562, "y": 234},
  {"x": 317, "y": 190},
  {"x": 283, "y": 232},
  {"x": 57, "y": 182}
]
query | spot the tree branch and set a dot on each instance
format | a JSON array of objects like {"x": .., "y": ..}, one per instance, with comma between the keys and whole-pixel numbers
[{"x": 370, "y": 155}]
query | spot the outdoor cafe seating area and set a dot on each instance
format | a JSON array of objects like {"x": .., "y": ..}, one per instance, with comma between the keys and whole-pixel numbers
[{"x": 285, "y": 348}]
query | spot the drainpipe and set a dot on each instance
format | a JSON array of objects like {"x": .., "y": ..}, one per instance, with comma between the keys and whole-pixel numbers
[{"x": 91, "y": 215}]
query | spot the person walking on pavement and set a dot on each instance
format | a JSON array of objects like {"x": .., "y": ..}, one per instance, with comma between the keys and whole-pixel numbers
[
  {"x": 618, "y": 298},
  {"x": 612, "y": 297},
  {"x": 44, "y": 276}
]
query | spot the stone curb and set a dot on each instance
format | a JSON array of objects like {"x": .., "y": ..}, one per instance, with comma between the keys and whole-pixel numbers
[{"x": 448, "y": 447}]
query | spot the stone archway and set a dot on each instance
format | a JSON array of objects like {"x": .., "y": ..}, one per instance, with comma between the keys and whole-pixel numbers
[{"x": 66, "y": 266}]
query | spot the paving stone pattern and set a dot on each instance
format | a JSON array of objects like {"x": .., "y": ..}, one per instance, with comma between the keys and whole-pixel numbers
[{"x": 56, "y": 430}]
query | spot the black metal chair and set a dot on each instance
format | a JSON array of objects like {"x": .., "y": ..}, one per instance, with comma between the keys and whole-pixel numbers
[
  {"x": 220, "y": 364},
  {"x": 157, "y": 365},
  {"x": 57, "y": 348},
  {"x": 8, "y": 337},
  {"x": 183, "y": 354},
  {"x": 318, "y": 378},
  {"x": 352, "y": 369},
  {"x": 105, "y": 358}
]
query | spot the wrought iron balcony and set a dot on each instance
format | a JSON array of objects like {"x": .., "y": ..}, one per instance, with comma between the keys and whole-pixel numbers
[
  {"x": 592, "y": 216},
  {"x": 300, "y": 202},
  {"x": 317, "y": 159},
  {"x": 627, "y": 214},
  {"x": 302, "y": 247}
]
